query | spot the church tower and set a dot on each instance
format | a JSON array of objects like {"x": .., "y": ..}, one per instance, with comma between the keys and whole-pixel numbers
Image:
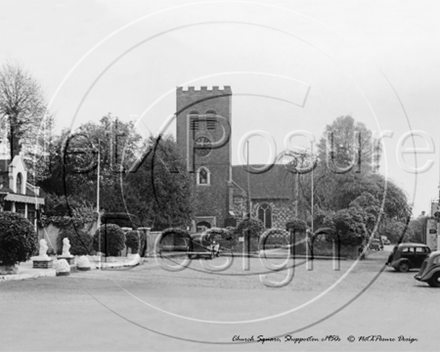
[{"x": 203, "y": 136}]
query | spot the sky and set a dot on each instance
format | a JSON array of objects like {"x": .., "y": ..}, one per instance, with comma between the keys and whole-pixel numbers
[{"x": 291, "y": 65}]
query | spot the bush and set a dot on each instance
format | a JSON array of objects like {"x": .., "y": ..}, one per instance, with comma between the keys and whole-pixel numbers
[
  {"x": 296, "y": 225},
  {"x": 132, "y": 240},
  {"x": 109, "y": 239},
  {"x": 18, "y": 240},
  {"x": 274, "y": 238},
  {"x": 255, "y": 226},
  {"x": 80, "y": 241}
]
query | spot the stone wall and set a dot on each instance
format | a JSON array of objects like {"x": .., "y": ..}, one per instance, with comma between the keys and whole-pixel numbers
[{"x": 281, "y": 211}]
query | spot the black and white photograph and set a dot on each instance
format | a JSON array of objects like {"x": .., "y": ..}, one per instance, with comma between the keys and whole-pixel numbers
[{"x": 218, "y": 175}]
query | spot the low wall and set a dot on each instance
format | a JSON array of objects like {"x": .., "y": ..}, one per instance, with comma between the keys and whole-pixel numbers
[{"x": 50, "y": 234}]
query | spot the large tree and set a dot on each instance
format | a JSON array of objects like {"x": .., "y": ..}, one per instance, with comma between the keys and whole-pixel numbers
[
  {"x": 346, "y": 141},
  {"x": 106, "y": 147},
  {"x": 159, "y": 192},
  {"x": 22, "y": 104},
  {"x": 356, "y": 193}
]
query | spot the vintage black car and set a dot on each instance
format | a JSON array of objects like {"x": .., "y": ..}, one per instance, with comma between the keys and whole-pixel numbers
[
  {"x": 430, "y": 270},
  {"x": 376, "y": 244},
  {"x": 207, "y": 244},
  {"x": 210, "y": 243},
  {"x": 407, "y": 256}
]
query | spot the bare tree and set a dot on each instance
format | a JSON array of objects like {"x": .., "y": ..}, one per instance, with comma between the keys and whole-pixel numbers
[{"x": 22, "y": 105}]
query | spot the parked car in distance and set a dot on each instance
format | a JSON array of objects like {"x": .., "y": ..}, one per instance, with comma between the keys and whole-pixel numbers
[
  {"x": 385, "y": 240},
  {"x": 407, "y": 256},
  {"x": 376, "y": 244},
  {"x": 210, "y": 243},
  {"x": 430, "y": 270}
]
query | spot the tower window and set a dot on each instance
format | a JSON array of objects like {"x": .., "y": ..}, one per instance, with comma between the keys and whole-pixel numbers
[
  {"x": 194, "y": 124},
  {"x": 194, "y": 120},
  {"x": 265, "y": 215},
  {"x": 203, "y": 176},
  {"x": 210, "y": 120},
  {"x": 210, "y": 123}
]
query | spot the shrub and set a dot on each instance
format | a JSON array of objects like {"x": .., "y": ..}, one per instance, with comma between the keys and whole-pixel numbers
[
  {"x": 255, "y": 226},
  {"x": 109, "y": 239},
  {"x": 296, "y": 225},
  {"x": 132, "y": 240},
  {"x": 274, "y": 238},
  {"x": 80, "y": 241},
  {"x": 18, "y": 240}
]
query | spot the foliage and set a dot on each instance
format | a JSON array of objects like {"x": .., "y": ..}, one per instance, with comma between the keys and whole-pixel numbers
[
  {"x": 397, "y": 231},
  {"x": 132, "y": 240},
  {"x": 349, "y": 227},
  {"x": 74, "y": 164},
  {"x": 109, "y": 239},
  {"x": 340, "y": 144},
  {"x": 255, "y": 226},
  {"x": 159, "y": 192},
  {"x": 274, "y": 237},
  {"x": 296, "y": 225},
  {"x": 80, "y": 241},
  {"x": 176, "y": 231},
  {"x": 418, "y": 226},
  {"x": 18, "y": 240},
  {"x": 65, "y": 212},
  {"x": 122, "y": 219},
  {"x": 22, "y": 105}
]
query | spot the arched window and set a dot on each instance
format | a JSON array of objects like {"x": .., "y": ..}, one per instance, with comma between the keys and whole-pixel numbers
[
  {"x": 19, "y": 183},
  {"x": 265, "y": 215},
  {"x": 203, "y": 176},
  {"x": 210, "y": 120}
]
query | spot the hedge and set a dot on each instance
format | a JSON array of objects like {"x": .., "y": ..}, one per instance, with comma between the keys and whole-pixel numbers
[
  {"x": 80, "y": 241},
  {"x": 109, "y": 239},
  {"x": 18, "y": 240}
]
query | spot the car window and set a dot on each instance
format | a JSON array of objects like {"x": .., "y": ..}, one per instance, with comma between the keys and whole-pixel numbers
[
  {"x": 406, "y": 250},
  {"x": 420, "y": 250}
]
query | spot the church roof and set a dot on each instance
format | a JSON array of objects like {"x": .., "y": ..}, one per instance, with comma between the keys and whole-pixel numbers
[{"x": 276, "y": 183}]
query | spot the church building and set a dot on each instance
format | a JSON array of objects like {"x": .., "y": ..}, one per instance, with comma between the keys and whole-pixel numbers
[{"x": 221, "y": 190}]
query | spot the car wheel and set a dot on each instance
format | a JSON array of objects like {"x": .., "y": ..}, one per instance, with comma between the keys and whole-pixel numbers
[
  {"x": 404, "y": 267},
  {"x": 434, "y": 281}
]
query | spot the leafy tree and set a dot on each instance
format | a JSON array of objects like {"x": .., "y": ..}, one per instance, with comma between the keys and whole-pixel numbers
[
  {"x": 21, "y": 103},
  {"x": 342, "y": 145},
  {"x": 18, "y": 240},
  {"x": 109, "y": 239},
  {"x": 397, "y": 231},
  {"x": 296, "y": 225},
  {"x": 23, "y": 113},
  {"x": 418, "y": 226},
  {"x": 75, "y": 164},
  {"x": 132, "y": 240},
  {"x": 159, "y": 192},
  {"x": 255, "y": 226},
  {"x": 349, "y": 226}
]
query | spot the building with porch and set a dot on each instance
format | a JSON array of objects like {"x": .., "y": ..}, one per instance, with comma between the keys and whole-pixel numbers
[{"x": 16, "y": 193}]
